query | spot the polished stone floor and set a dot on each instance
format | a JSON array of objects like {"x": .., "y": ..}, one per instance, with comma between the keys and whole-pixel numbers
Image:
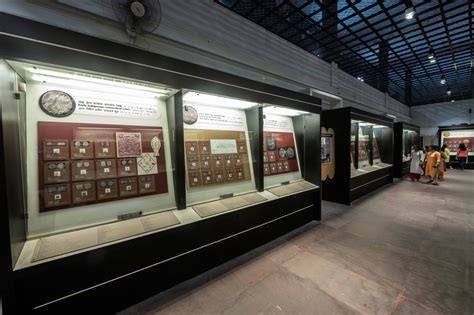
[{"x": 405, "y": 249}]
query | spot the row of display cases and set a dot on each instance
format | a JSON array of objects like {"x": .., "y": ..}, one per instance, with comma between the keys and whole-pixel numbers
[
  {"x": 124, "y": 167},
  {"x": 112, "y": 154},
  {"x": 360, "y": 150}
]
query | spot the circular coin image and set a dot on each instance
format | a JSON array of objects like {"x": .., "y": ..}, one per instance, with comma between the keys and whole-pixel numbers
[
  {"x": 271, "y": 145},
  {"x": 290, "y": 152},
  {"x": 282, "y": 152},
  {"x": 57, "y": 103},
  {"x": 190, "y": 115}
]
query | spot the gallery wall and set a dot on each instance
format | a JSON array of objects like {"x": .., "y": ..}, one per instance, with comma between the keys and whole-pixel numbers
[
  {"x": 205, "y": 33},
  {"x": 429, "y": 117}
]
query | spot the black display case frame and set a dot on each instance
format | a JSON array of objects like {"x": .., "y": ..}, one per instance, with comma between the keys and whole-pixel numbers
[
  {"x": 113, "y": 277},
  {"x": 453, "y": 162},
  {"x": 402, "y": 168},
  {"x": 342, "y": 188}
]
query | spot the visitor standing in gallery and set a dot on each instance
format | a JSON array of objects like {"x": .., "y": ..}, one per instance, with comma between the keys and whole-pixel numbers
[
  {"x": 433, "y": 163},
  {"x": 425, "y": 158},
  {"x": 448, "y": 158},
  {"x": 416, "y": 163},
  {"x": 442, "y": 166},
  {"x": 462, "y": 154}
]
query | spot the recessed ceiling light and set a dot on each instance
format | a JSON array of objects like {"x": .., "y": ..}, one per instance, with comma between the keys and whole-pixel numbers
[
  {"x": 432, "y": 60},
  {"x": 431, "y": 54},
  {"x": 443, "y": 80},
  {"x": 360, "y": 78},
  {"x": 448, "y": 91},
  {"x": 452, "y": 101},
  {"x": 409, "y": 13}
]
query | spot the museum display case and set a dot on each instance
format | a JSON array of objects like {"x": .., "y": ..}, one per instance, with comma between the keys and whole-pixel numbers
[
  {"x": 124, "y": 167},
  {"x": 286, "y": 135},
  {"x": 405, "y": 136},
  {"x": 452, "y": 136},
  {"x": 363, "y": 153}
]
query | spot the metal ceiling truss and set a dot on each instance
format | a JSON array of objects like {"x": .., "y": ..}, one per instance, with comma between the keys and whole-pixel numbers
[{"x": 372, "y": 40}]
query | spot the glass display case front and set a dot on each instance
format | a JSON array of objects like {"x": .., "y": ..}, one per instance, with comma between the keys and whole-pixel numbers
[
  {"x": 122, "y": 166},
  {"x": 217, "y": 149},
  {"x": 409, "y": 139},
  {"x": 367, "y": 145},
  {"x": 285, "y": 132},
  {"x": 95, "y": 151},
  {"x": 281, "y": 155},
  {"x": 381, "y": 143}
]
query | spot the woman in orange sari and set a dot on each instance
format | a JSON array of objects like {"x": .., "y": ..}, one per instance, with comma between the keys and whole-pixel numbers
[{"x": 433, "y": 164}]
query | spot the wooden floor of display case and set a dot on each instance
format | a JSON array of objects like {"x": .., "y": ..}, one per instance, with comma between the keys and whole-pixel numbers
[
  {"x": 100, "y": 275},
  {"x": 51, "y": 247},
  {"x": 64, "y": 243}
]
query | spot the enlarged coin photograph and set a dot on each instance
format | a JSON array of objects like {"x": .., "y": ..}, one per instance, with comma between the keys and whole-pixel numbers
[
  {"x": 190, "y": 115},
  {"x": 57, "y": 104}
]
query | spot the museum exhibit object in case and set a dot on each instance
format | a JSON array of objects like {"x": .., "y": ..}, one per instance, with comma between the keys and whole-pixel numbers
[
  {"x": 405, "y": 136},
  {"x": 288, "y": 136},
  {"x": 124, "y": 167},
  {"x": 452, "y": 136},
  {"x": 362, "y": 153}
]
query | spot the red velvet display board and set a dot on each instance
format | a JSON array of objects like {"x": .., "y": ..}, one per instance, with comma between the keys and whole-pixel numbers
[
  {"x": 81, "y": 164},
  {"x": 453, "y": 142},
  {"x": 279, "y": 154}
]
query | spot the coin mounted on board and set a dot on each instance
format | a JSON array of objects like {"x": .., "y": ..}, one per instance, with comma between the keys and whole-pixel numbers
[{"x": 57, "y": 104}]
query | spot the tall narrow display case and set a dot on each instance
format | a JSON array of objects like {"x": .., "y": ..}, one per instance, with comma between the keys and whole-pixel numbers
[
  {"x": 129, "y": 172},
  {"x": 357, "y": 153},
  {"x": 405, "y": 137}
]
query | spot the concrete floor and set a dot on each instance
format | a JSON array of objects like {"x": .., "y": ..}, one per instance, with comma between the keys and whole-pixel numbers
[{"x": 405, "y": 249}]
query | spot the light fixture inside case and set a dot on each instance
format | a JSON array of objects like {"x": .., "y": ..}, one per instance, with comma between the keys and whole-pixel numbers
[
  {"x": 92, "y": 82},
  {"x": 282, "y": 111},
  {"x": 214, "y": 100}
]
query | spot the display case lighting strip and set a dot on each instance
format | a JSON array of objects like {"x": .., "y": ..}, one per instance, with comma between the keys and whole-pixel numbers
[
  {"x": 214, "y": 100},
  {"x": 88, "y": 82},
  {"x": 282, "y": 111}
]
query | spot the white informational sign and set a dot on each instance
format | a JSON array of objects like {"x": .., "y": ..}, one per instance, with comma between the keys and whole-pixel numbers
[
  {"x": 111, "y": 108},
  {"x": 209, "y": 117},
  {"x": 277, "y": 123},
  {"x": 223, "y": 146}
]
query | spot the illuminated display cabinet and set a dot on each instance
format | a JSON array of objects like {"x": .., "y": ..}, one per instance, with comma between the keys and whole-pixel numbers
[
  {"x": 129, "y": 172},
  {"x": 405, "y": 136},
  {"x": 452, "y": 136},
  {"x": 361, "y": 153}
]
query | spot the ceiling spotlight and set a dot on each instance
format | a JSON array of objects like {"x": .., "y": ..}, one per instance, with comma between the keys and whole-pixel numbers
[
  {"x": 452, "y": 101},
  {"x": 443, "y": 80},
  {"x": 431, "y": 54},
  {"x": 409, "y": 13},
  {"x": 432, "y": 60},
  {"x": 448, "y": 91},
  {"x": 361, "y": 79}
]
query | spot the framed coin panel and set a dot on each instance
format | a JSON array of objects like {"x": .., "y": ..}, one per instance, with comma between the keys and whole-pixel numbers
[
  {"x": 206, "y": 166},
  {"x": 279, "y": 154},
  {"x": 81, "y": 166}
]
